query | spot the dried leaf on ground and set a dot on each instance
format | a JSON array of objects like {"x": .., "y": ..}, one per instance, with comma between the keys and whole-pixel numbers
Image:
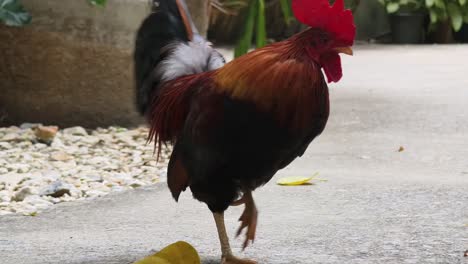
[
  {"x": 177, "y": 253},
  {"x": 298, "y": 180}
]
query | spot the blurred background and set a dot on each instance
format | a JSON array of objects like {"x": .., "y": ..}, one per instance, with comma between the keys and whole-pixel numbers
[{"x": 69, "y": 62}]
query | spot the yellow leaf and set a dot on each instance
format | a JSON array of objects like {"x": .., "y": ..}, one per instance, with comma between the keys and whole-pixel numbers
[
  {"x": 177, "y": 253},
  {"x": 295, "y": 180},
  {"x": 153, "y": 260}
]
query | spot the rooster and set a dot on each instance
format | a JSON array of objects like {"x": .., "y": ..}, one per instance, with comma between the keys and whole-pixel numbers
[{"x": 234, "y": 126}]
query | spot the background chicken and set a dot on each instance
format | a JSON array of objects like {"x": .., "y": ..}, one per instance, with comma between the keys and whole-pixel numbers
[
  {"x": 168, "y": 46},
  {"x": 234, "y": 127}
]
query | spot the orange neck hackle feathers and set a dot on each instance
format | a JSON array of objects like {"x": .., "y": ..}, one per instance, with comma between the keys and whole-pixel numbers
[
  {"x": 261, "y": 75},
  {"x": 277, "y": 78}
]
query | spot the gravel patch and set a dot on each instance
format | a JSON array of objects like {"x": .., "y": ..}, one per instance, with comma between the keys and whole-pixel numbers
[{"x": 78, "y": 164}]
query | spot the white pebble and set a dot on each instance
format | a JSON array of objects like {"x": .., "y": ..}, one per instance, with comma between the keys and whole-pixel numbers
[
  {"x": 23, "y": 193},
  {"x": 76, "y": 131}
]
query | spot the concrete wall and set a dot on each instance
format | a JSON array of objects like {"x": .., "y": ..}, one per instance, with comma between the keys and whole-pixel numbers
[{"x": 72, "y": 65}]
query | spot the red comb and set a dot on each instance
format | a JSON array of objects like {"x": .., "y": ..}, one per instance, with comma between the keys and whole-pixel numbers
[{"x": 334, "y": 19}]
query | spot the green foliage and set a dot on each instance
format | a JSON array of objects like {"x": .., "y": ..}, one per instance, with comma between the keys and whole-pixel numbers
[
  {"x": 352, "y": 4},
  {"x": 455, "y": 11},
  {"x": 97, "y": 2},
  {"x": 393, "y": 6},
  {"x": 287, "y": 11},
  {"x": 12, "y": 13},
  {"x": 440, "y": 11},
  {"x": 257, "y": 16},
  {"x": 255, "y": 21},
  {"x": 455, "y": 16},
  {"x": 261, "y": 24},
  {"x": 245, "y": 40}
]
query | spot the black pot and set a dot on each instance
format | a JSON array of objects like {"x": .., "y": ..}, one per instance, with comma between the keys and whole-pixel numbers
[
  {"x": 462, "y": 35},
  {"x": 407, "y": 28}
]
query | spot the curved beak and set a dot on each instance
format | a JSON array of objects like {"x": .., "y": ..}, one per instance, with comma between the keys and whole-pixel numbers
[{"x": 344, "y": 50}]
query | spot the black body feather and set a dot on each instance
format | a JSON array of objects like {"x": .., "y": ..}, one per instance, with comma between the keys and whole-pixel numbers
[{"x": 228, "y": 147}]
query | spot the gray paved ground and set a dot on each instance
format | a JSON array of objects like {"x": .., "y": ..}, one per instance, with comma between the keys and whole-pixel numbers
[{"x": 379, "y": 205}]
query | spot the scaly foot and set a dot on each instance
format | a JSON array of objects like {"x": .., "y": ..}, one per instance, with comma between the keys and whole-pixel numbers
[{"x": 233, "y": 260}]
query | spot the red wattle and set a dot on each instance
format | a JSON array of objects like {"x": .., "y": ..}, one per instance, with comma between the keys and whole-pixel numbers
[{"x": 331, "y": 63}]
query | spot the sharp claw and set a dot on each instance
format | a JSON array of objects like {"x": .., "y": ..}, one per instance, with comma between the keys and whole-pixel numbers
[
  {"x": 239, "y": 231},
  {"x": 246, "y": 244},
  {"x": 242, "y": 227}
]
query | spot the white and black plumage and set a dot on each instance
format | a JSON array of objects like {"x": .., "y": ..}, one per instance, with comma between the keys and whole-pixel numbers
[{"x": 169, "y": 46}]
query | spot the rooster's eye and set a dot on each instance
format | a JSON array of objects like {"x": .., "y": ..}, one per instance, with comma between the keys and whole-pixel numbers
[
  {"x": 319, "y": 42},
  {"x": 321, "y": 39}
]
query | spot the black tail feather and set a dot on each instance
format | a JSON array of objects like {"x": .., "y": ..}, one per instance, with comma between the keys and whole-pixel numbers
[{"x": 162, "y": 27}]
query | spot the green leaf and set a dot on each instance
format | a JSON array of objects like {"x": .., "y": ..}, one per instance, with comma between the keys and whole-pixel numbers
[
  {"x": 430, "y": 3},
  {"x": 433, "y": 16},
  {"x": 462, "y": 2},
  {"x": 261, "y": 25},
  {"x": 245, "y": 40},
  {"x": 352, "y": 4},
  {"x": 12, "y": 13},
  {"x": 97, "y": 2},
  {"x": 287, "y": 11},
  {"x": 455, "y": 16},
  {"x": 440, "y": 4},
  {"x": 392, "y": 7}
]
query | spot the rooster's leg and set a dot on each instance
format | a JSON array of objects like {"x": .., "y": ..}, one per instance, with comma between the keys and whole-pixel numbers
[
  {"x": 227, "y": 256},
  {"x": 240, "y": 201},
  {"x": 248, "y": 218}
]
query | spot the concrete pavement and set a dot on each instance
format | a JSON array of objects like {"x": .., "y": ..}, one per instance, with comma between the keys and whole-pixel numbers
[{"x": 378, "y": 206}]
